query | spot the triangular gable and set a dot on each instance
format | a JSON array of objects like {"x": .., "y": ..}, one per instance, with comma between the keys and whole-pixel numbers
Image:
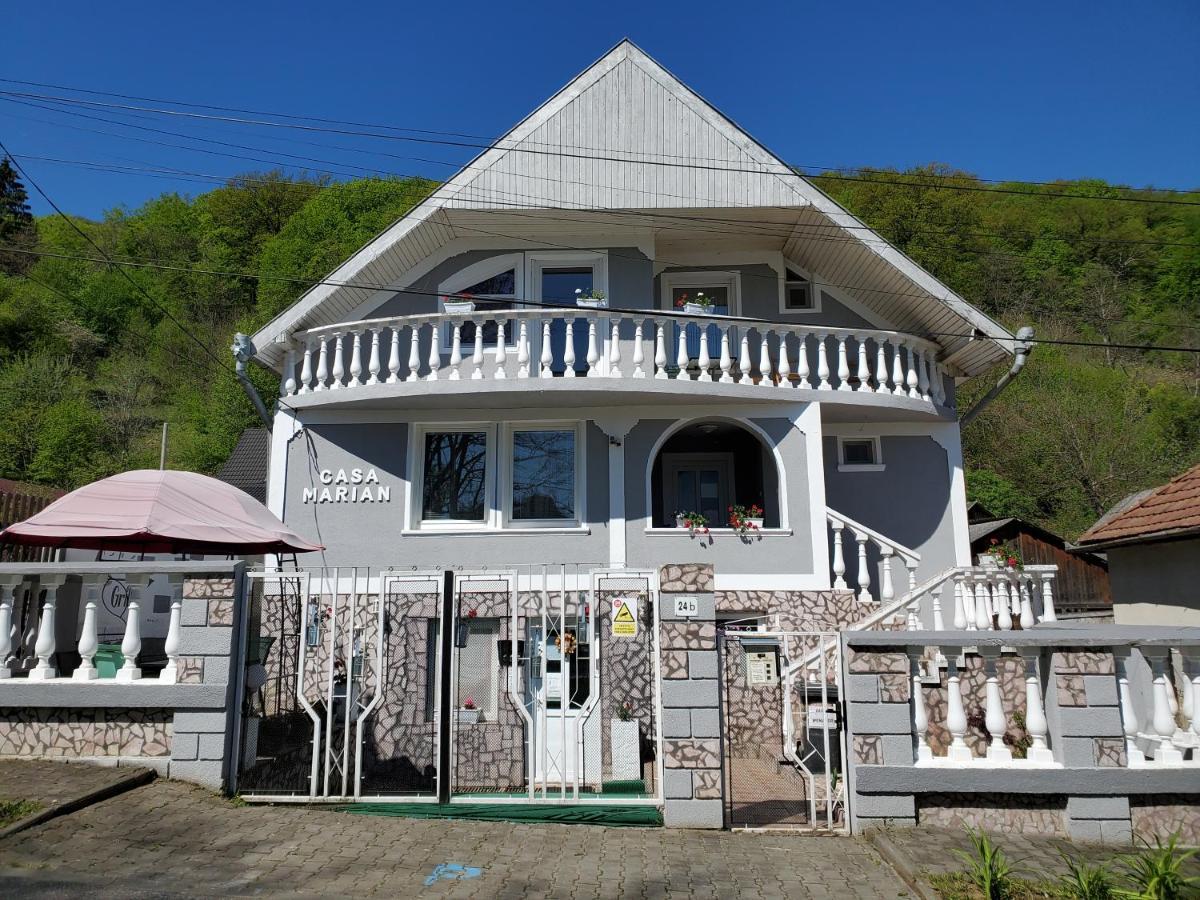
[{"x": 627, "y": 134}]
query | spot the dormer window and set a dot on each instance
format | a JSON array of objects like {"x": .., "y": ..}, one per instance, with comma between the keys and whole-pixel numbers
[{"x": 798, "y": 294}]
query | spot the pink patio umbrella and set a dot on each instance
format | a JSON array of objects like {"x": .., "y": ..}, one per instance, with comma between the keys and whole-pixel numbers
[{"x": 159, "y": 511}]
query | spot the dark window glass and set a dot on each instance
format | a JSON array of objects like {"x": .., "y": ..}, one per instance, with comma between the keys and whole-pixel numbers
[
  {"x": 543, "y": 475},
  {"x": 503, "y": 285},
  {"x": 455, "y": 475},
  {"x": 858, "y": 453},
  {"x": 559, "y": 285},
  {"x": 799, "y": 296}
]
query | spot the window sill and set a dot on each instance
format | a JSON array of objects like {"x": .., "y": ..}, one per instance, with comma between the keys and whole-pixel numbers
[
  {"x": 862, "y": 467},
  {"x": 484, "y": 530},
  {"x": 764, "y": 532}
]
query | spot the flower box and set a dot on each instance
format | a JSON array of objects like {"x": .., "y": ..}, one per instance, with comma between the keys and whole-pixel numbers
[
  {"x": 755, "y": 523},
  {"x": 681, "y": 522},
  {"x": 459, "y": 307},
  {"x": 468, "y": 716},
  {"x": 697, "y": 309},
  {"x": 591, "y": 302}
]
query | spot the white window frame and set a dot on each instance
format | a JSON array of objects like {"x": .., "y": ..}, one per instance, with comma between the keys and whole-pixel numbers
[
  {"x": 417, "y": 471},
  {"x": 596, "y": 260},
  {"x": 813, "y": 292},
  {"x": 844, "y": 466},
  {"x": 508, "y": 430},
  {"x": 475, "y": 273},
  {"x": 731, "y": 280}
]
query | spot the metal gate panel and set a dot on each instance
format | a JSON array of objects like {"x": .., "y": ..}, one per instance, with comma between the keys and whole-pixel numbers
[{"x": 783, "y": 743}]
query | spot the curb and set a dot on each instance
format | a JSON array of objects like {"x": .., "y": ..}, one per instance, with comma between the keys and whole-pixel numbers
[
  {"x": 898, "y": 861},
  {"x": 136, "y": 778}
]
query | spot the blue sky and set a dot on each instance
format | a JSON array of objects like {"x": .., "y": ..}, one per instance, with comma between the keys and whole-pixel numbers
[{"x": 1017, "y": 90}]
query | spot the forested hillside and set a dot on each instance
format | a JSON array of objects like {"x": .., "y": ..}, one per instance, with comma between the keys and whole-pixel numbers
[{"x": 90, "y": 366}]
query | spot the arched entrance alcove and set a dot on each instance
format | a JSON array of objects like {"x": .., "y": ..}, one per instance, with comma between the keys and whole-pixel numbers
[{"x": 708, "y": 466}]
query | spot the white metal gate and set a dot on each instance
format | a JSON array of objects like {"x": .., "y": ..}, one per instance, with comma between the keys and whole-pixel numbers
[{"x": 784, "y": 744}]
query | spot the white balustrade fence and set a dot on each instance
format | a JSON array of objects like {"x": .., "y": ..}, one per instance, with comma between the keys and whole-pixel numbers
[
  {"x": 549, "y": 343},
  {"x": 1160, "y": 703},
  {"x": 32, "y": 651},
  {"x": 868, "y": 543}
]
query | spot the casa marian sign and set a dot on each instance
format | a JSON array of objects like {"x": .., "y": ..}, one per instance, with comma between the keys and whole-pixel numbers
[{"x": 348, "y": 486}]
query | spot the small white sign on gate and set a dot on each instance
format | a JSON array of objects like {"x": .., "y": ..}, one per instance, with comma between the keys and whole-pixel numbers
[{"x": 686, "y": 607}]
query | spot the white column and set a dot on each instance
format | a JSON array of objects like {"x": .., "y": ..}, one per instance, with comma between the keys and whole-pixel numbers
[
  {"x": 617, "y": 429},
  {"x": 726, "y": 358},
  {"x": 785, "y": 365},
  {"x": 1162, "y": 721},
  {"x": 46, "y": 639},
  {"x": 994, "y": 718},
  {"x": 983, "y": 621},
  {"x": 288, "y": 386},
  {"x": 88, "y": 643},
  {"x": 498, "y": 356},
  {"x": 887, "y": 590},
  {"x": 477, "y": 351},
  {"x": 660, "y": 349},
  {"x": 306, "y": 368},
  {"x": 1048, "y": 597},
  {"x": 864, "y": 365},
  {"x": 764, "y": 359},
  {"x": 843, "y": 370},
  {"x": 912, "y": 378},
  {"x": 456, "y": 356},
  {"x": 373, "y": 364},
  {"x": 744, "y": 374},
  {"x": 939, "y": 623},
  {"x": 881, "y": 367},
  {"x": 1020, "y": 588},
  {"x": 920, "y": 714},
  {"x": 705, "y": 360},
  {"x": 822, "y": 365},
  {"x": 897, "y": 371},
  {"x": 681, "y": 352},
  {"x": 961, "y": 619},
  {"x": 414, "y": 350},
  {"x": 864, "y": 573},
  {"x": 1134, "y": 758},
  {"x": 8, "y": 588},
  {"x": 956, "y": 714},
  {"x": 356, "y": 367},
  {"x": 1036, "y": 725},
  {"x": 639, "y": 352},
  {"x": 435, "y": 352},
  {"x": 614, "y": 348},
  {"x": 322, "y": 364},
  {"x": 131, "y": 643},
  {"x": 523, "y": 348},
  {"x": 923, "y": 373},
  {"x": 839, "y": 560},
  {"x": 546, "y": 359},
  {"x": 170, "y": 672},
  {"x": 339, "y": 367},
  {"x": 1003, "y": 607}
]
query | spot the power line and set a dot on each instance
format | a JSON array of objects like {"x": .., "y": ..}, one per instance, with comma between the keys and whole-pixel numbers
[
  {"x": 483, "y": 143},
  {"x": 605, "y": 157},
  {"x": 551, "y": 305}
]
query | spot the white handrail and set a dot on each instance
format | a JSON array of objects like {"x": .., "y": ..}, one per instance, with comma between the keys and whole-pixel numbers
[{"x": 832, "y": 516}]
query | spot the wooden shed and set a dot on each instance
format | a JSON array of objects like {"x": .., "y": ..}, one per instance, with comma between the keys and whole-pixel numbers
[{"x": 18, "y": 501}]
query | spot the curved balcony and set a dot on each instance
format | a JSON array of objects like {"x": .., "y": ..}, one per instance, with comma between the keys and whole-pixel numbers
[{"x": 449, "y": 359}]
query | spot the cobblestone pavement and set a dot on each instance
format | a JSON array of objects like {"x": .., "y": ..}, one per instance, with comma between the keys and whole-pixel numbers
[
  {"x": 52, "y": 783},
  {"x": 171, "y": 840}
]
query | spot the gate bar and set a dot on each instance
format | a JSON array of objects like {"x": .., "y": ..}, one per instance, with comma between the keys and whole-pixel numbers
[{"x": 444, "y": 679}]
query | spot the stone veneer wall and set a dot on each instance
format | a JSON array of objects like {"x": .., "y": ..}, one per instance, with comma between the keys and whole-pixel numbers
[
  {"x": 181, "y": 730},
  {"x": 692, "y": 788}
]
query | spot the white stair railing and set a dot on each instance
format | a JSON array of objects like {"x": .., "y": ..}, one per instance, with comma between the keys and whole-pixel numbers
[{"x": 863, "y": 536}]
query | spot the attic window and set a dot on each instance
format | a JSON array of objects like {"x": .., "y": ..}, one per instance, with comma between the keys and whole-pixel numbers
[
  {"x": 859, "y": 455},
  {"x": 798, "y": 294},
  {"x": 503, "y": 284}
]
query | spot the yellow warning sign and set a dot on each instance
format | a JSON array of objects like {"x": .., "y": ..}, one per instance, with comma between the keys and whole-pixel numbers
[{"x": 624, "y": 617}]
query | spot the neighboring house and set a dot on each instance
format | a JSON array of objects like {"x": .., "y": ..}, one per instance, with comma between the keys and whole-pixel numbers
[
  {"x": 540, "y": 441},
  {"x": 1081, "y": 584},
  {"x": 1152, "y": 541},
  {"x": 246, "y": 467},
  {"x": 18, "y": 501}
]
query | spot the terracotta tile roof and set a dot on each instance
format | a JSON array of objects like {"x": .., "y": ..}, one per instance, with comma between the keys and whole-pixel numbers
[{"x": 1171, "y": 509}]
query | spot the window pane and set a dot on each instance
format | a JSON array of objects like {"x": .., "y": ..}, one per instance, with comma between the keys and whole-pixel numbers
[
  {"x": 503, "y": 285},
  {"x": 559, "y": 285},
  {"x": 543, "y": 475},
  {"x": 455, "y": 475},
  {"x": 858, "y": 453}
]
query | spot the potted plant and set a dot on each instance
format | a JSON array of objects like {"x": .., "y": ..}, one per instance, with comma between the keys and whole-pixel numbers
[
  {"x": 469, "y": 713},
  {"x": 700, "y": 305},
  {"x": 1000, "y": 557},
  {"x": 745, "y": 519},
  {"x": 694, "y": 522},
  {"x": 590, "y": 299},
  {"x": 625, "y": 741},
  {"x": 458, "y": 304}
]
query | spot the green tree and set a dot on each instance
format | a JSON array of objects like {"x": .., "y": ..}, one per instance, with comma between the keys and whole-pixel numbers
[{"x": 18, "y": 230}]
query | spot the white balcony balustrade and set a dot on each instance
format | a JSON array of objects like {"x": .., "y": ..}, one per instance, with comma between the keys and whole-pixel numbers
[
  {"x": 35, "y": 654},
  {"x": 630, "y": 346}
]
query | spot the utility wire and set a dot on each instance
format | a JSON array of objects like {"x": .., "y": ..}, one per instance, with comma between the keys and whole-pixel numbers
[
  {"x": 524, "y": 302},
  {"x": 484, "y": 145}
]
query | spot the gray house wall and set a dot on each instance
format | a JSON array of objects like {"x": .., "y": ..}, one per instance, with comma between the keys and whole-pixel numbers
[
  {"x": 1155, "y": 584},
  {"x": 909, "y": 501}
]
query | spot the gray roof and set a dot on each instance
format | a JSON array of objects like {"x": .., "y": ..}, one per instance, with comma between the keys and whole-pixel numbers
[
  {"x": 978, "y": 530},
  {"x": 246, "y": 468}
]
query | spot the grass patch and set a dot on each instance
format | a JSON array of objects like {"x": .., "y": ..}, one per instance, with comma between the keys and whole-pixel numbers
[
  {"x": 960, "y": 886},
  {"x": 14, "y": 810}
]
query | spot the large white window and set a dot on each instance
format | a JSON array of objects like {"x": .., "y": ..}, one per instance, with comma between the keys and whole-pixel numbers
[{"x": 497, "y": 476}]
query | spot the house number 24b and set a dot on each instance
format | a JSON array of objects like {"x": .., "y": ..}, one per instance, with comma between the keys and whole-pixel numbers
[{"x": 686, "y": 607}]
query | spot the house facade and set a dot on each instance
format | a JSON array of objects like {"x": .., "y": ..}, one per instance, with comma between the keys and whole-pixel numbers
[{"x": 625, "y": 316}]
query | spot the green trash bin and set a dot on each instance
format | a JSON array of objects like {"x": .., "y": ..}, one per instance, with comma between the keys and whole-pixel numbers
[{"x": 108, "y": 659}]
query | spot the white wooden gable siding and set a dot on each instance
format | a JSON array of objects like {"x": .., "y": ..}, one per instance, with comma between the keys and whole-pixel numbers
[{"x": 628, "y": 135}]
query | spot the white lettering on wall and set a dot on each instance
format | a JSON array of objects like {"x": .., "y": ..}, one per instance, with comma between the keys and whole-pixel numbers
[{"x": 352, "y": 486}]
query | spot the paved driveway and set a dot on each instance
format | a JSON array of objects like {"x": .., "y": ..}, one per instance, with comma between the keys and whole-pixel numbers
[{"x": 170, "y": 840}]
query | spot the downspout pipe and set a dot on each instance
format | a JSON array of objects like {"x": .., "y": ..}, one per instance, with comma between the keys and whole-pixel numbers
[
  {"x": 243, "y": 351},
  {"x": 1023, "y": 347}
]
